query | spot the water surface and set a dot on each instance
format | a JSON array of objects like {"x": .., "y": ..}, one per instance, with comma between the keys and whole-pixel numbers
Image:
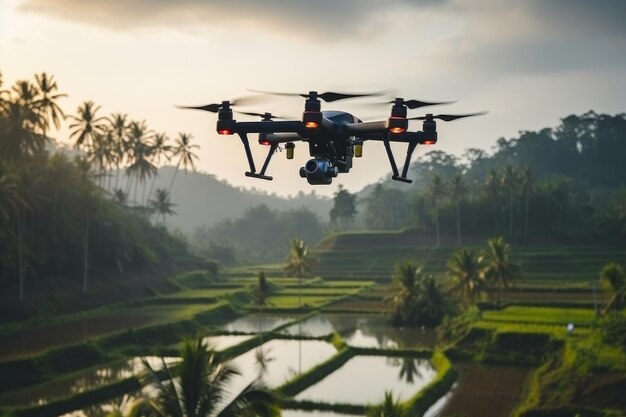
[
  {"x": 364, "y": 380},
  {"x": 256, "y": 323}
]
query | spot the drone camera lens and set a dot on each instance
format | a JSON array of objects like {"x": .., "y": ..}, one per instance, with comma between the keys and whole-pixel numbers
[{"x": 311, "y": 166}]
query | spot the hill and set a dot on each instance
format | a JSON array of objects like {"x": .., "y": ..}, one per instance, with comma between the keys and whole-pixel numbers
[{"x": 203, "y": 200}]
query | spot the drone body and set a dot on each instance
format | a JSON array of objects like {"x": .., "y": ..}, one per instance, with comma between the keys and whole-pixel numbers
[{"x": 334, "y": 138}]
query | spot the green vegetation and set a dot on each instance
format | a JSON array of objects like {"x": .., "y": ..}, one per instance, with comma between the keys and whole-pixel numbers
[{"x": 197, "y": 387}]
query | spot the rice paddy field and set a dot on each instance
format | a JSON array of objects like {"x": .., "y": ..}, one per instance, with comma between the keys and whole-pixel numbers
[{"x": 315, "y": 340}]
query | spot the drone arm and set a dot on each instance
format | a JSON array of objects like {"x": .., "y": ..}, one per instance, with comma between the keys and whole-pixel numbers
[
  {"x": 358, "y": 129},
  {"x": 269, "y": 127}
]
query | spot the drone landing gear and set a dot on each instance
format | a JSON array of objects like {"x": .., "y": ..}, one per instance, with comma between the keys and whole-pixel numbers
[
  {"x": 407, "y": 161},
  {"x": 252, "y": 173}
]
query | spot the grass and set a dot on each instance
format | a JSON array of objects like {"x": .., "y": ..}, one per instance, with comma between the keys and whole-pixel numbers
[
  {"x": 293, "y": 301},
  {"x": 542, "y": 315}
]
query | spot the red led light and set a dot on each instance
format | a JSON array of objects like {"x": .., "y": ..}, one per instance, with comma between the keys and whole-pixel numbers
[
  {"x": 397, "y": 129},
  {"x": 311, "y": 125},
  {"x": 265, "y": 142},
  {"x": 225, "y": 132},
  {"x": 429, "y": 142}
]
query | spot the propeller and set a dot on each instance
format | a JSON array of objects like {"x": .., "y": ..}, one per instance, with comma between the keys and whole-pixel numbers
[
  {"x": 265, "y": 116},
  {"x": 448, "y": 117},
  {"x": 214, "y": 107},
  {"x": 328, "y": 97},
  {"x": 414, "y": 104}
]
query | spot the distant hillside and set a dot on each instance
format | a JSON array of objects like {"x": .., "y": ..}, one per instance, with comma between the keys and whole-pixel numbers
[{"x": 203, "y": 200}]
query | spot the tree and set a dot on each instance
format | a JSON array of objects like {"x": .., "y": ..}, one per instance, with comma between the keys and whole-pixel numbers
[
  {"x": 183, "y": 149},
  {"x": 499, "y": 270},
  {"x": 527, "y": 184},
  {"x": 160, "y": 152},
  {"x": 141, "y": 166},
  {"x": 197, "y": 387},
  {"x": 510, "y": 182},
  {"x": 492, "y": 183},
  {"x": 416, "y": 298},
  {"x": 464, "y": 271},
  {"x": 47, "y": 101},
  {"x": 344, "y": 208},
  {"x": 300, "y": 261},
  {"x": 386, "y": 209},
  {"x": 437, "y": 191},
  {"x": 161, "y": 204},
  {"x": 614, "y": 276},
  {"x": 458, "y": 192},
  {"x": 88, "y": 125}
]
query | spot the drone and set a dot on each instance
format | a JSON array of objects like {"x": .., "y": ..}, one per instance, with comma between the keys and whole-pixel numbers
[{"x": 334, "y": 137}]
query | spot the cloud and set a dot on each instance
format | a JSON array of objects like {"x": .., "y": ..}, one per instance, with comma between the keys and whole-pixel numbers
[{"x": 319, "y": 18}]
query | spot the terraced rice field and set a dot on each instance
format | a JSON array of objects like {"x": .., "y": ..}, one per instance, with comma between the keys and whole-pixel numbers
[
  {"x": 484, "y": 391},
  {"x": 542, "y": 315}
]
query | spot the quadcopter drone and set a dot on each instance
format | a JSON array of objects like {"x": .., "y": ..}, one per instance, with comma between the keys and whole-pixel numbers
[{"x": 334, "y": 137}]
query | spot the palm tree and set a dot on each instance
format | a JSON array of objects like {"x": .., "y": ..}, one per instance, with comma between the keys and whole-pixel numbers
[
  {"x": 161, "y": 204},
  {"x": 183, "y": 149},
  {"x": 198, "y": 387},
  {"x": 437, "y": 191},
  {"x": 141, "y": 166},
  {"x": 118, "y": 125},
  {"x": 464, "y": 271},
  {"x": 160, "y": 151},
  {"x": 510, "y": 182},
  {"x": 405, "y": 292},
  {"x": 120, "y": 196},
  {"x": 499, "y": 270},
  {"x": 17, "y": 136},
  {"x": 300, "y": 261},
  {"x": 493, "y": 190},
  {"x": 527, "y": 184},
  {"x": 47, "y": 103},
  {"x": 458, "y": 192},
  {"x": 613, "y": 274},
  {"x": 88, "y": 125}
]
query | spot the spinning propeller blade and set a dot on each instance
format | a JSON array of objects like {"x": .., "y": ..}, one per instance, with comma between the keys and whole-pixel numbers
[
  {"x": 267, "y": 116},
  {"x": 414, "y": 104},
  {"x": 239, "y": 101},
  {"x": 328, "y": 97},
  {"x": 449, "y": 117}
]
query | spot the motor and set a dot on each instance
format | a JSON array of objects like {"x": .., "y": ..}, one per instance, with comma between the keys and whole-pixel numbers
[{"x": 319, "y": 171}]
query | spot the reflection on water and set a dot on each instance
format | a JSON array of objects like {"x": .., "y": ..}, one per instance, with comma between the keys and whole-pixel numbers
[
  {"x": 365, "y": 331},
  {"x": 313, "y": 413},
  {"x": 80, "y": 381},
  {"x": 256, "y": 323},
  {"x": 279, "y": 360},
  {"x": 225, "y": 341},
  {"x": 364, "y": 380}
]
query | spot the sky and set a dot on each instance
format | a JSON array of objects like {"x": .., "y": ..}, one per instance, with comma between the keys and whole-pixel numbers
[{"x": 528, "y": 62}]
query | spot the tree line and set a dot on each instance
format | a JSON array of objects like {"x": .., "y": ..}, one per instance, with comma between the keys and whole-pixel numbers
[
  {"x": 61, "y": 217},
  {"x": 564, "y": 182}
]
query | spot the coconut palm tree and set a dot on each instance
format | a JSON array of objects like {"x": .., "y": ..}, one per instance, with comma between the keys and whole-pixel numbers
[
  {"x": 160, "y": 151},
  {"x": 184, "y": 150},
  {"x": 141, "y": 166},
  {"x": 87, "y": 125},
  {"x": 492, "y": 183},
  {"x": 118, "y": 125},
  {"x": 300, "y": 261},
  {"x": 464, "y": 272},
  {"x": 437, "y": 191},
  {"x": 161, "y": 204},
  {"x": 510, "y": 181},
  {"x": 498, "y": 269},
  {"x": 458, "y": 192},
  {"x": 198, "y": 387},
  {"x": 18, "y": 138},
  {"x": 527, "y": 185},
  {"x": 613, "y": 274},
  {"x": 47, "y": 101}
]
